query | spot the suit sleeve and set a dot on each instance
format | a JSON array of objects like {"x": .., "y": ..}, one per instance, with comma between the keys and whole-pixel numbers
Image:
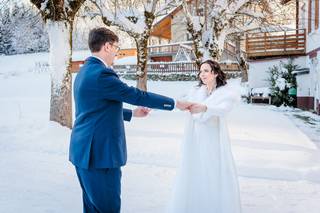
[
  {"x": 220, "y": 109},
  {"x": 127, "y": 114},
  {"x": 112, "y": 88}
]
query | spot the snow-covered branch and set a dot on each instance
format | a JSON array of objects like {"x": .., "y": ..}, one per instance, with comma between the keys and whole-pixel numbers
[
  {"x": 167, "y": 8},
  {"x": 128, "y": 20},
  {"x": 221, "y": 19}
]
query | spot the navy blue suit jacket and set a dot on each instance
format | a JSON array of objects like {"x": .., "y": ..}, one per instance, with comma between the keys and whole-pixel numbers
[{"x": 98, "y": 135}]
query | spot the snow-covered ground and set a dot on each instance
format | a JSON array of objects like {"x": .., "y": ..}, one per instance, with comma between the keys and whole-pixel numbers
[{"x": 278, "y": 164}]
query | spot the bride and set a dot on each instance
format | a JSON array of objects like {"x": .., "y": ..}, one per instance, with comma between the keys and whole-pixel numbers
[{"x": 207, "y": 180}]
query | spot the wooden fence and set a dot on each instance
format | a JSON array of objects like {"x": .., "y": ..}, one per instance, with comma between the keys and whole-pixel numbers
[
  {"x": 161, "y": 67},
  {"x": 172, "y": 67}
]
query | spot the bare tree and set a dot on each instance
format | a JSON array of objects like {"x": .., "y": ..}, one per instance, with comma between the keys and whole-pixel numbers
[
  {"x": 219, "y": 19},
  {"x": 223, "y": 18},
  {"x": 59, "y": 16},
  {"x": 136, "y": 17}
]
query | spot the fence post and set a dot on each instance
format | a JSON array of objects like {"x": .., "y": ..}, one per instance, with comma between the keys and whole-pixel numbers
[
  {"x": 247, "y": 37},
  {"x": 265, "y": 43},
  {"x": 285, "y": 41},
  {"x": 305, "y": 40}
]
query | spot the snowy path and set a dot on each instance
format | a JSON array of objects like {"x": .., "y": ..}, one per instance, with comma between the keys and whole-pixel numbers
[{"x": 279, "y": 167}]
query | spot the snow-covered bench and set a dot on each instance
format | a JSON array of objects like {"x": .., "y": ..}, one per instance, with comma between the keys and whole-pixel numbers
[{"x": 260, "y": 95}]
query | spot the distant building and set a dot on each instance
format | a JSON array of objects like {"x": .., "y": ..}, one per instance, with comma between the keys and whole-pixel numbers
[{"x": 302, "y": 44}]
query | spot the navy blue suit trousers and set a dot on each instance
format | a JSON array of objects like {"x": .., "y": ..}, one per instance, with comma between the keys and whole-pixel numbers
[{"x": 101, "y": 189}]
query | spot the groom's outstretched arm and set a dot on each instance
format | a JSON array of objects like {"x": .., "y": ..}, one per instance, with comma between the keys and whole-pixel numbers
[{"x": 114, "y": 89}]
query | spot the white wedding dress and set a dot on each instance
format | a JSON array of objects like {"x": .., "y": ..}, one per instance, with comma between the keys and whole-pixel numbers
[{"x": 206, "y": 180}]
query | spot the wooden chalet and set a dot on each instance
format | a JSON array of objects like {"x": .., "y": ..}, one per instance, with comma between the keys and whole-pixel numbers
[{"x": 302, "y": 44}]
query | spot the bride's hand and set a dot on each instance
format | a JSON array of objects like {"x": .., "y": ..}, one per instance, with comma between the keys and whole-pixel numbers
[
  {"x": 197, "y": 108},
  {"x": 183, "y": 105}
]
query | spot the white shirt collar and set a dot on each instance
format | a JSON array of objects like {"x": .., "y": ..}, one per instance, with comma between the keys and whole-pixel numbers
[{"x": 101, "y": 61}]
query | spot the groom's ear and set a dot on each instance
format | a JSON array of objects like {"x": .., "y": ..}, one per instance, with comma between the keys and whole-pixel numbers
[{"x": 107, "y": 46}]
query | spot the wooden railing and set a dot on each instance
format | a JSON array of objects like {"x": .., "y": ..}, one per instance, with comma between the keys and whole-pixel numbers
[
  {"x": 276, "y": 43},
  {"x": 171, "y": 67},
  {"x": 167, "y": 49},
  {"x": 161, "y": 67}
]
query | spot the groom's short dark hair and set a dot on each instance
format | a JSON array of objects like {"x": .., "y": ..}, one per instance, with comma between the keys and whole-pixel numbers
[{"x": 99, "y": 36}]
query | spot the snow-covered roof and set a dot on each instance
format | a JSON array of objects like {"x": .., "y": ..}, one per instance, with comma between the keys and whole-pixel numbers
[
  {"x": 182, "y": 43},
  {"x": 159, "y": 19}
]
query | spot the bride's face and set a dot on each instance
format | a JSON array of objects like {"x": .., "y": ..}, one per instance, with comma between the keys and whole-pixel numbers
[{"x": 207, "y": 76}]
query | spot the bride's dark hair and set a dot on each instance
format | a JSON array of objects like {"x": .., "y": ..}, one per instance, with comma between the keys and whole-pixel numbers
[{"x": 216, "y": 69}]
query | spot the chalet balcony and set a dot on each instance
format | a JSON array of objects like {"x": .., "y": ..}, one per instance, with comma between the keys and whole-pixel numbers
[
  {"x": 167, "y": 52},
  {"x": 166, "y": 49},
  {"x": 273, "y": 44}
]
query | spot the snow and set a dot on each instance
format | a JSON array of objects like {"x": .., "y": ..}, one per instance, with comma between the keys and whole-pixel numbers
[
  {"x": 277, "y": 162},
  {"x": 281, "y": 83},
  {"x": 120, "y": 19},
  {"x": 236, "y": 6},
  {"x": 196, "y": 23},
  {"x": 80, "y": 55},
  {"x": 148, "y": 6},
  {"x": 130, "y": 60},
  {"x": 184, "y": 43},
  {"x": 308, "y": 122},
  {"x": 251, "y": 13},
  {"x": 228, "y": 61},
  {"x": 264, "y": 91},
  {"x": 221, "y": 23}
]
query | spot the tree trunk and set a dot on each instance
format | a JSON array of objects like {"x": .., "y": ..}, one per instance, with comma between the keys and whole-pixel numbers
[
  {"x": 142, "y": 47},
  {"x": 59, "y": 19},
  {"x": 214, "y": 52},
  {"x": 243, "y": 66},
  {"x": 60, "y": 38},
  {"x": 244, "y": 70},
  {"x": 61, "y": 102},
  {"x": 216, "y": 45},
  {"x": 142, "y": 83},
  {"x": 196, "y": 38}
]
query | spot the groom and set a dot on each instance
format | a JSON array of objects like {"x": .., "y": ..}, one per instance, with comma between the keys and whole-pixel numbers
[{"x": 98, "y": 143}]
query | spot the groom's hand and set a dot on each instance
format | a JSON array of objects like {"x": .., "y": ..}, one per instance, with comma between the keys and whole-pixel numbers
[
  {"x": 141, "y": 112},
  {"x": 183, "y": 105}
]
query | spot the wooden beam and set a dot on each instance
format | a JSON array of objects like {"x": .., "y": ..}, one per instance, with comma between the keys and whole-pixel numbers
[
  {"x": 263, "y": 54},
  {"x": 75, "y": 66},
  {"x": 297, "y": 15},
  {"x": 316, "y": 14},
  {"x": 163, "y": 28},
  {"x": 309, "y": 15}
]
